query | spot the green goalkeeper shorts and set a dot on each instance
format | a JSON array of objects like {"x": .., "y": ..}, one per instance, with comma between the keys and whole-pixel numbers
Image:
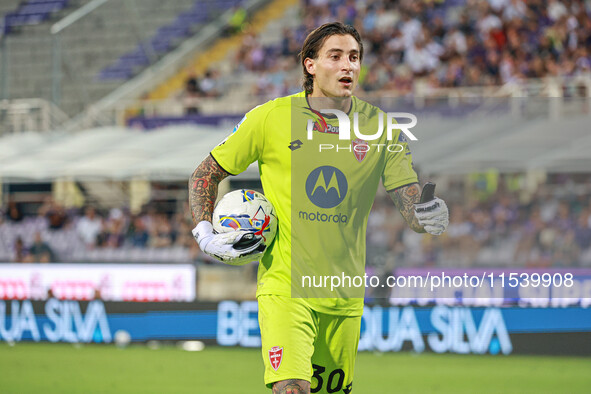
[{"x": 300, "y": 343}]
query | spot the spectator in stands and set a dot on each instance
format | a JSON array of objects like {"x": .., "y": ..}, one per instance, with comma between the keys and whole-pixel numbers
[
  {"x": 114, "y": 229},
  {"x": 583, "y": 230},
  {"x": 209, "y": 84},
  {"x": 459, "y": 245},
  {"x": 137, "y": 234},
  {"x": 40, "y": 252},
  {"x": 385, "y": 19},
  {"x": 89, "y": 227},
  {"x": 191, "y": 96},
  {"x": 20, "y": 252},
  {"x": 289, "y": 45},
  {"x": 420, "y": 59},
  {"x": 182, "y": 229},
  {"x": 255, "y": 59},
  {"x": 237, "y": 21},
  {"x": 473, "y": 77},
  {"x": 492, "y": 62},
  {"x": 248, "y": 42},
  {"x": 556, "y": 10},
  {"x": 371, "y": 82},
  {"x": 54, "y": 213},
  {"x": 515, "y": 9},
  {"x": 14, "y": 212},
  {"x": 161, "y": 233}
]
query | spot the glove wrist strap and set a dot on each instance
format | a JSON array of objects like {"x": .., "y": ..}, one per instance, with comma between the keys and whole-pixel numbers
[{"x": 202, "y": 233}]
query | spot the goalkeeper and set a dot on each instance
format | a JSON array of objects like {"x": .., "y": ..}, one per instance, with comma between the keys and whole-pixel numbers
[{"x": 323, "y": 199}]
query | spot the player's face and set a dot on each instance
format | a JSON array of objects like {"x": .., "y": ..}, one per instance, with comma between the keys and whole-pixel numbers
[{"x": 336, "y": 69}]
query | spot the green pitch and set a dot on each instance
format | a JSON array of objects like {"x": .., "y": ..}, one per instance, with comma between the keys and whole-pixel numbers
[{"x": 63, "y": 368}]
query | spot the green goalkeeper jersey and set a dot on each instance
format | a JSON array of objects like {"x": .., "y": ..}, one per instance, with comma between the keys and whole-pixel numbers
[{"x": 322, "y": 188}]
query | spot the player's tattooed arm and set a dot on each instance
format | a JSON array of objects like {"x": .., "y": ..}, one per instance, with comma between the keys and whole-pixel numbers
[
  {"x": 291, "y": 386},
  {"x": 203, "y": 188},
  {"x": 405, "y": 198}
]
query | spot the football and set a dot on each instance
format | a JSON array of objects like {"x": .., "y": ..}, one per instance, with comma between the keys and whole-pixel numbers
[{"x": 246, "y": 210}]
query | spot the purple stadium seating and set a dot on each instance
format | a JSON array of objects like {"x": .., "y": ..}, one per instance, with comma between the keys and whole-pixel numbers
[
  {"x": 32, "y": 12},
  {"x": 166, "y": 38}
]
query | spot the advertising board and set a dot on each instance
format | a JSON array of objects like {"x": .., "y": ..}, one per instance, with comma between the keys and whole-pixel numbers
[
  {"x": 440, "y": 328},
  {"x": 109, "y": 282}
]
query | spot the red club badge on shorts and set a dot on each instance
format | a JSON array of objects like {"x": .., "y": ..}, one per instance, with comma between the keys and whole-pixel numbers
[
  {"x": 275, "y": 357},
  {"x": 360, "y": 148}
]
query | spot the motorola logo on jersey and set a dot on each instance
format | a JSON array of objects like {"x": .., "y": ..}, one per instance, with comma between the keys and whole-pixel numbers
[{"x": 326, "y": 186}]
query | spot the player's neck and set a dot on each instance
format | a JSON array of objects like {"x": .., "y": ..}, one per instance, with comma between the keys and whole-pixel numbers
[{"x": 320, "y": 101}]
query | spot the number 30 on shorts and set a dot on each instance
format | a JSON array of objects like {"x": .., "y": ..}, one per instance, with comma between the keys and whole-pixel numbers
[{"x": 334, "y": 380}]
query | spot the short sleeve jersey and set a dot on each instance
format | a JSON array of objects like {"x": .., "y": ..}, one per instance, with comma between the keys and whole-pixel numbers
[{"x": 322, "y": 189}]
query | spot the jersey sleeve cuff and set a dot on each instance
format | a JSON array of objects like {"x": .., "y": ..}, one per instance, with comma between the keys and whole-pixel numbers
[
  {"x": 218, "y": 163},
  {"x": 407, "y": 182}
]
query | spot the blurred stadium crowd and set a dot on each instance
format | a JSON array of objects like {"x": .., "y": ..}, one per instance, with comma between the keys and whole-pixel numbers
[
  {"x": 116, "y": 235},
  {"x": 452, "y": 43},
  {"x": 497, "y": 227}
]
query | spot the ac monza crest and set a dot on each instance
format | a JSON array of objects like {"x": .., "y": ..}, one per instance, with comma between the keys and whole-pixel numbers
[
  {"x": 275, "y": 357},
  {"x": 360, "y": 148}
]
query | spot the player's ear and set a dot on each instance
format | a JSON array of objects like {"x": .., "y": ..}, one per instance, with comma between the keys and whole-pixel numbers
[{"x": 310, "y": 65}]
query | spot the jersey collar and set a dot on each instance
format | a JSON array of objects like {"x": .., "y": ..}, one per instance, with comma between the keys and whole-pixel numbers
[{"x": 329, "y": 116}]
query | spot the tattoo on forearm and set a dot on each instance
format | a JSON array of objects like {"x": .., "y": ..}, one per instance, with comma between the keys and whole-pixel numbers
[
  {"x": 203, "y": 189},
  {"x": 404, "y": 198},
  {"x": 291, "y": 386}
]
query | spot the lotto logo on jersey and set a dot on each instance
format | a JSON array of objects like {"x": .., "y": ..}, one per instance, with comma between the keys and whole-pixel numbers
[
  {"x": 275, "y": 357},
  {"x": 247, "y": 195}
]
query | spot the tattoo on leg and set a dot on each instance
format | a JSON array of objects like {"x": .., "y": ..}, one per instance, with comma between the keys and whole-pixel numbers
[
  {"x": 291, "y": 386},
  {"x": 404, "y": 198},
  {"x": 203, "y": 188}
]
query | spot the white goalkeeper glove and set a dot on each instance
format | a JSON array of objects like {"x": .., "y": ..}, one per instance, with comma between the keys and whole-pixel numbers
[
  {"x": 234, "y": 248},
  {"x": 433, "y": 216}
]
